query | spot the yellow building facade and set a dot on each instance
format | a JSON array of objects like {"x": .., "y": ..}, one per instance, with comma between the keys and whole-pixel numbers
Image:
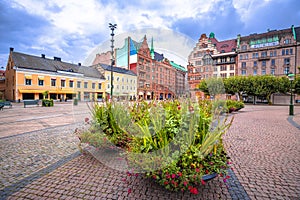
[
  {"x": 29, "y": 77},
  {"x": 124, "y": 81}
]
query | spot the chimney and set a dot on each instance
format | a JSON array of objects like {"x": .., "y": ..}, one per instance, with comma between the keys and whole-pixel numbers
[
  {"x": 57, "y": 58},
  {"x": 11, "y": 49},
  {"x": 79, "y": 64},
  {"x": 43, "y": 55}
]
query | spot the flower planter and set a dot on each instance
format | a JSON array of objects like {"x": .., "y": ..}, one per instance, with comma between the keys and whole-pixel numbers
[{"x": 209, "y": 177}]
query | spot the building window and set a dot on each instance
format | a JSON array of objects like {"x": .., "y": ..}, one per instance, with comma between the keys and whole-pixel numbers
[
  {"x": 255, "y": 55},
  {"x": 273, "y": 62},
  {"x": 27, "y": 81},
  {"x": 71, "y": 83},
  {"x": 264, "y": 63},
  {"x": 86, "y": 96},
  {"x": 93, "y": 85},
  {"x": 231, "y": 67},
  {"x": 287, "y": 41},
  {"x": 198, "y": 62},
  {"x": 224, "y": 75},
  {"x": 243, "y": 72},
  {"x": 108, "y": 86},
  {"x": 63, "y": 83},
  {"x": 286, "y": 70},
  {"x": 53, "y": 82},
  {"x": 263, "y": 72},
  {"x": 244, "y": 47},
  {"x": 243, "y": 64},
  {"x": 78, "y": 84},
  {"x": 287, "y": 61},
  {"x": 241, "y": 57},
  {"x": 264, "y": 54},
  {"x": 99, "y": 86},
  {"x": 273, "y": 71},
  {"x": 231, "y": 74},
  {"x": 283, "y": 52},
  {"x": 254, "y": 63},
  {"x": 85, "y": 84},
  {"x": 223, "y": 68},
  {"x": 291, "y": 51},
  {"x": 254, "y": 72},
  {"x": 41, "y": 82}
]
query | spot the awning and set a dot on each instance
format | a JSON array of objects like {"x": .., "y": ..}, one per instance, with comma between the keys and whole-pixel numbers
[
  {"x": 28, "y": 76},
  {"x": 31, "y": 91},
  {"x": 141, "y": 93},
  {"x": 148, "y": 93},
  {"x": 41, "y": 77},
  {"x": 50, "y": 91},
  {"x": 62, "y": 91}
]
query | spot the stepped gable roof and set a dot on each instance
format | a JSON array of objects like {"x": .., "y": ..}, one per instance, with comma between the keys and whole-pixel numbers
[
  {"x": 117, "y": 69},
  {"x": 26, "y": 61}
]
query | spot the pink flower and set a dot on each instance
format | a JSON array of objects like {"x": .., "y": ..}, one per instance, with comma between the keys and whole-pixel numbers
[
  {"x": 185, "y": 183},
  {"x": 173, "y": 175},
  {"x": 129, "y": 190},
  {"x": 86, "y": 119},
  {"x": 168, "y": 176},
  {"x": 197, "y": 170},
  {"x": 203, "y": 182}
]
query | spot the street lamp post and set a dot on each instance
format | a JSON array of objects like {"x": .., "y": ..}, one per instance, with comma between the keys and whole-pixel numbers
[
  {"x": 291, "y": 77},
  {"x": 112, "y": 28}
]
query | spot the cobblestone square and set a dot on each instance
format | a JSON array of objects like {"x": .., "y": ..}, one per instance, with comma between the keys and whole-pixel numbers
[{"x": 40, "y": 159}]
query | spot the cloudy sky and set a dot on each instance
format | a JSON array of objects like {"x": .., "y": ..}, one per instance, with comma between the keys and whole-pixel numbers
[{"x": 73, "y": 29}]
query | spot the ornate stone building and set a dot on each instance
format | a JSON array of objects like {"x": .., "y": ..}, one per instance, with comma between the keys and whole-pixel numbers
[
  {"x": 274, "y": 52},
  {"x": 210, "y": 58}
]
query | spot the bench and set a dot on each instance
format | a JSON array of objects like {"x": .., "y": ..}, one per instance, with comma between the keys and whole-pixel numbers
[
  {"x": 5, "y": 103},
  {"x": 31, "y": 102}
]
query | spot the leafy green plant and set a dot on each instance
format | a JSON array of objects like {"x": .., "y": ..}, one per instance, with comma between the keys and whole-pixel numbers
[{"x": 174, "y": 142}]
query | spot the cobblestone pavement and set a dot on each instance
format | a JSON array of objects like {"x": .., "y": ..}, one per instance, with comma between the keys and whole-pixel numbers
[
  {"x": 264, "y": 148},
  {"x": 34, "y": 138},
  {"x": 263, "y": 145}
]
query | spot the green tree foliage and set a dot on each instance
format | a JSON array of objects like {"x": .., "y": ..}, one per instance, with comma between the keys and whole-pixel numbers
[{"x": 263, "y": 86}]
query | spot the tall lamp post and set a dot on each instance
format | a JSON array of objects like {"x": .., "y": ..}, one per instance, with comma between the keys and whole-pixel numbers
[
  {"x": 291, "y": 77},
  {"x": 112, "y": 28}
]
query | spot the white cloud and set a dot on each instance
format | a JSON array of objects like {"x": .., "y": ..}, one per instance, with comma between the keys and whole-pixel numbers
[{"x": 246, "y": 8}]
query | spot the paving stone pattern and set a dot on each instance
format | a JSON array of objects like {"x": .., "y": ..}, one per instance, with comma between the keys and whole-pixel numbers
[
  {"x": 263, "y": 145},
  {"x": 264, "y": 148}
]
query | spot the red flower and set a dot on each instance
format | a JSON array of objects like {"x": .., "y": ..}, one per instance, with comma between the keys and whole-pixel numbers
[
  {"x": 178, "y": 107},
  {"x": 203, "y": 182},
  {"x": 197, "y": 170},
  {"x": 86, "y": 119},
  {"x": 194, "y": 191},
  {"x": 179, "y": 174},
  {"x": 185, "y": 183},
  {"x": 173, "y": 175},
  {"x": 129, "y": 190},
  {"x": 166, "y": 182},
  {"x": 206, "y": 171},
  {"x": 168, "y": 176},
  {"x": 154, "y": 176}
]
